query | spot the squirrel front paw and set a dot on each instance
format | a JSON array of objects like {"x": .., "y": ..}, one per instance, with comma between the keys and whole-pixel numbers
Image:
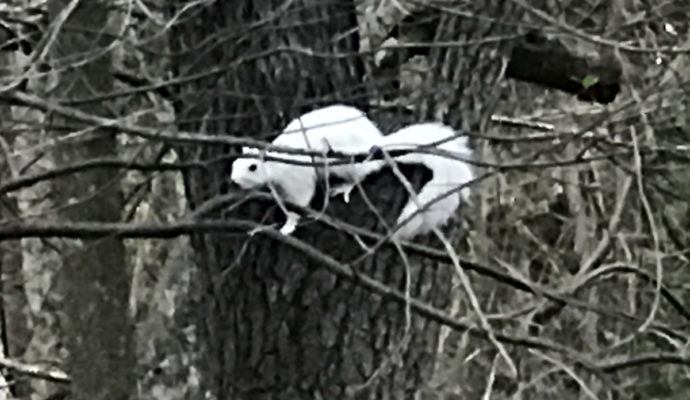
[{"x": 290, "y": 224}]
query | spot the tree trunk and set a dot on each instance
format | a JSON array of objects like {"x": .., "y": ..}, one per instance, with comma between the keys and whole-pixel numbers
[
  {"x": 95, "y": 277},
  {"x": 14, "y": 321},
  {"x": 274, "y": 324},
  {"x": 14, "y": 307}
]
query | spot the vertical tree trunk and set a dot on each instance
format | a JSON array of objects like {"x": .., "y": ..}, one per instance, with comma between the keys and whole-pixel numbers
[
  {"x": 273, "y": 323},
  {"x": 14, "y": 313},
  {"x": 95, "y": 276},
  {"x": 14, "y": 331}
]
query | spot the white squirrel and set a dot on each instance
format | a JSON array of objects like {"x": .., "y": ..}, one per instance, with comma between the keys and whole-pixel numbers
[
  {"x": 448, "y": 174},
  {"x": 338, "y": 127}
]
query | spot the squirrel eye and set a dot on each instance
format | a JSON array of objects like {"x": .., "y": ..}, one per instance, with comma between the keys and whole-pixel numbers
[{"x": 252, "y": 168}]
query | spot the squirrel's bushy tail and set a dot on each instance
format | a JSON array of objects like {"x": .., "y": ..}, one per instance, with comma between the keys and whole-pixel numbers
[
  {"x": 437, "y": 209},
  {"x": 440, "y": 197}
]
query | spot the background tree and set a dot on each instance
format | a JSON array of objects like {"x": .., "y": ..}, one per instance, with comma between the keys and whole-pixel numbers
[{"x": 94, "y": 277}]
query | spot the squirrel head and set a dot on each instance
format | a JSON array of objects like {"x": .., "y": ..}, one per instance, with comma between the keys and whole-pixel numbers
[{"x": 248, "y": 172}]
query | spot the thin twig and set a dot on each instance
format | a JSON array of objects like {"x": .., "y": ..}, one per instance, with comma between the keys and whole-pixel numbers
[
  {"x": 655, "y": 234},
  {"x": 597, "y": 39},
  {"x": 47, "y": 373},
  {"x": 568, "y": 371}
]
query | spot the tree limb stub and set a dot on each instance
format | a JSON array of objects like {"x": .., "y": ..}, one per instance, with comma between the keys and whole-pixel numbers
[{"x": 549, "y": 63}]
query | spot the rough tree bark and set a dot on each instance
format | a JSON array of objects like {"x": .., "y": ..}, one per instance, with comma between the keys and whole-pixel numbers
[
  {"x": 273, "y": 324},
  {"x": 95, "y": 277}
]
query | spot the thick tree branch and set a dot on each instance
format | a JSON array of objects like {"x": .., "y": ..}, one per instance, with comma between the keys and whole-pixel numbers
[
  {"x": 96, "y": 230},
  {"x": 100, "y": 230},
  {"x": 549, "y": 63},
  {"x": 124, "y": 230}
]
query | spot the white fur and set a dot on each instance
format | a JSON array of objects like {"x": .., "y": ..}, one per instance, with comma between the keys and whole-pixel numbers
[
  {"x": 448, "y": 174},
  {"x": 338, "y": 127}
]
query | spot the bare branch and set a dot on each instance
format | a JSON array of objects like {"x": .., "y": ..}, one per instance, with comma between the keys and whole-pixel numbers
[
  {"x": 47, "y": 373},
  {"x": 519, "y": 123},
  {"x": 97, "y": 230},
  {"x": 597, "y": 39},
  {"x": 26, "y": 181}
]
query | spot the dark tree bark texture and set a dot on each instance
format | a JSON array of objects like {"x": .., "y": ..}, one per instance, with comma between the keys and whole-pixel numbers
[
  {"x": 273, "y": 324},
  {"x": 94, "y": 279}
]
